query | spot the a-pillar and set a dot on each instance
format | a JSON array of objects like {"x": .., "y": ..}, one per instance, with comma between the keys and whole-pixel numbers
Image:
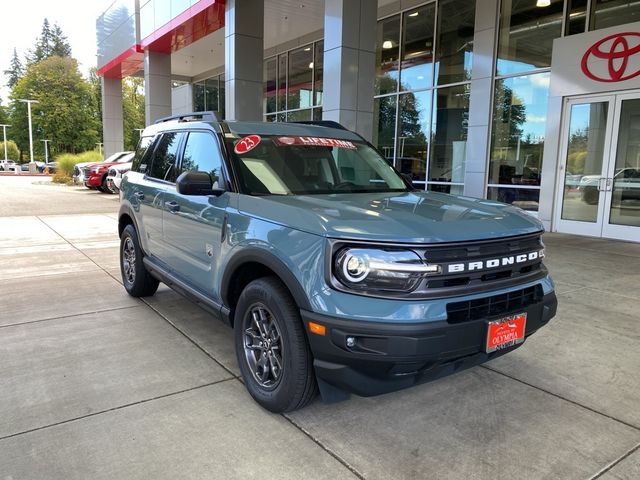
[
  {"x": 157, "y": 86},
  {"x": 349, "y": 63},
  {"x": 112, "y": 120},
  {"x": 243, "y": 59}
]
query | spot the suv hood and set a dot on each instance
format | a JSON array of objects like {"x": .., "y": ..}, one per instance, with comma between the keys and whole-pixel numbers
[{"x": 411, "y": 217}]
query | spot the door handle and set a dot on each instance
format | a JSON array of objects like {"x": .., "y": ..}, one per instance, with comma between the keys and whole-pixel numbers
[
  {"x": 609, "y": 184},
  {"x": 139, "y": 195},
  {"x": 173, "y": 207},
  {"x": 602, "y": 184}
]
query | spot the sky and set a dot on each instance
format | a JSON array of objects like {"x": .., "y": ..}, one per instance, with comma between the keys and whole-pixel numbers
[{"x": 22, "y": 22}]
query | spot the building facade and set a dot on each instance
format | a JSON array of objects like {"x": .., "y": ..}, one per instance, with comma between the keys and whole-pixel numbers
[{"x": 529, "y": 102}]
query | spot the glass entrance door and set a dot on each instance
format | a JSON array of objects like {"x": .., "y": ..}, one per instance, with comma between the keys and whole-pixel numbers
[{"x": 599, "y": 192}]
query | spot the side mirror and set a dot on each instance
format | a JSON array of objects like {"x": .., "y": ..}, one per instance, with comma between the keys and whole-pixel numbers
[{"x": 196, "y": 183}]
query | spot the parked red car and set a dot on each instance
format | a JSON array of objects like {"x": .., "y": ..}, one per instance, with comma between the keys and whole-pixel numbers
[{"x": 96, "y": 173}]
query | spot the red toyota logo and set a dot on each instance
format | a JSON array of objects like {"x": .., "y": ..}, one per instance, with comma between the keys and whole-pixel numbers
[{"x": 617, "y": 52}]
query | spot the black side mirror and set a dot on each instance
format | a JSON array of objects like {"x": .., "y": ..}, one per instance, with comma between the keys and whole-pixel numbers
[{"x": 196, "y": 183}]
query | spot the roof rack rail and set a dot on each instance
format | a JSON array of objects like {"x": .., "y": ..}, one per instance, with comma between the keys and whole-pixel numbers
[
  {"x": 322, "y": 123},
  {"x": 193, "y": 116}
]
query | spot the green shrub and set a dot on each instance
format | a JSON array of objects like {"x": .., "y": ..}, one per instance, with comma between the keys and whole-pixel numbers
[
  {"x": 67, "y": 161},
  {"x": 13, "y": 153}
]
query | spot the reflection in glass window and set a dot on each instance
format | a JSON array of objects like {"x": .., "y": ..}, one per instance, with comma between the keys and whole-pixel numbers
[
  {"x": 269, "y": 88},
  {"x": 318, "y": 64},
  {"x": 456, "y": 21},
  {"x": 384, "y": 117},
  {"x": 163, "y": 165},
  {"x": 611, "y": 13},
  {"x": 282, "y": 82},
  {"x": 526, "y": 34},
  {"x": 414, "y": 118},
  {"x": 299, "y": 115},
  {"x": 525, "y": 198},
  {"x": 198, "y": 96},
  {"x": 450, "y": 127},
  {"x": 221, "y": 99},
  {"x": 517, "y": 139},
  {"x": 201, "y": 154},
  {"x": 211, "y": 87},
  {"x": 451, "y": 188},
  {"x": 576, "y": 16},
  {"x": 387, "y": 54},
  {"x": 417, "y": 48},
  {"x": 300, "y": 78}
]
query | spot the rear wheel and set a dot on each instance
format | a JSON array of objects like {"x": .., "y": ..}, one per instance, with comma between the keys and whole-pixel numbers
[
  {"x": 137, "y": 281},
  {"x": 271, "y": 347}
]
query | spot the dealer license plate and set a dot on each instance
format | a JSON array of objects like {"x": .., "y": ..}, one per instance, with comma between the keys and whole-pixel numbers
[{"x": 505, "y": 332}]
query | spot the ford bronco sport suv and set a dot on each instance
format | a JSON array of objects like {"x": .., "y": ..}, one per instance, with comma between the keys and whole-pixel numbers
[{"x": 332, "y": 270}]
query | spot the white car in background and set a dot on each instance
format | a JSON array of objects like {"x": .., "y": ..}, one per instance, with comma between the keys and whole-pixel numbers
[
  {"x": 81, "y": 173},
  {"x": 626, "y": 185},
  {"x": 114, "y": 176}
]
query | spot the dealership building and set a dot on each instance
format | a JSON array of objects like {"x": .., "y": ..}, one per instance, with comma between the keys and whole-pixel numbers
[{"x": 530, "y": 102}]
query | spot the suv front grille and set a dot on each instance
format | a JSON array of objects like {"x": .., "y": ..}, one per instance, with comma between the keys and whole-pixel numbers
[{"x": 503, "y": 304}]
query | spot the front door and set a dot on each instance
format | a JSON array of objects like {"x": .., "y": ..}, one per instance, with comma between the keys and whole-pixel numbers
[{"x": 599, "y": 192}]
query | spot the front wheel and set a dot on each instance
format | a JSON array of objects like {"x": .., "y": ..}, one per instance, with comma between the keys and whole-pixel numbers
[
  {"x": 137, "y": 281},
  {"x": 271, "y": 347}
]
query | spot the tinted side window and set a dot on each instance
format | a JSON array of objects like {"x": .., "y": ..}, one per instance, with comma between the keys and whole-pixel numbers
[
  {"x": 164, "y": 158},
  {"x": 201, "y": 154},
  {"x": 143, "y": 153}
]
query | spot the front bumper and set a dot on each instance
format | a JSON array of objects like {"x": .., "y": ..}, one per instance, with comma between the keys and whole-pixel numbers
[
  {"x": 391, "y": 356},
  {"x": 94, "y": 181}
]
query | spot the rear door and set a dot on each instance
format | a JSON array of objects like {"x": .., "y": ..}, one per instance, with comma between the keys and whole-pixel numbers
[
  {"x": 157, "y": 176},
  {"x": 193, "y": 225}
]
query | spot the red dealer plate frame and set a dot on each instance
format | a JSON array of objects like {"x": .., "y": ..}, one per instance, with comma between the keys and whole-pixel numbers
[{"x": 505, "y": 332}]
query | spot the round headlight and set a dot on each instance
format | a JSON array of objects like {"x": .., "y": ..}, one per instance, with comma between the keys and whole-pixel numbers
[{"x": 355, "y": 268}]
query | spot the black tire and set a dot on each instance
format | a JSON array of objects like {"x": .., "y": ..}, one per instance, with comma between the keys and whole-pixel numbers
[
  {"x": 136, "y": 279},
  {"x": 103, "y": 186},
  {"x": 295, "y": 385}
]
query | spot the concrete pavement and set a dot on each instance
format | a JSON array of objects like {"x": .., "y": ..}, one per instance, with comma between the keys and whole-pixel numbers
[{"x": 95, "y": 384}]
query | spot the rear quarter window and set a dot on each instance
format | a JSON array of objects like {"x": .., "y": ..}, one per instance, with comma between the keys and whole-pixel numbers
[{"x": 143, "y": 154}]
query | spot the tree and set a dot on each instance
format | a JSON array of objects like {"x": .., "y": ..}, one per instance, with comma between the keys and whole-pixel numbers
[
  {"x": 12, "y": 150},
  {"x": 64, "y": 114},
  {"x": 15, "y": 70},
  {"x": 132, "y": 110},
  {"x": 51, "y": 41}
]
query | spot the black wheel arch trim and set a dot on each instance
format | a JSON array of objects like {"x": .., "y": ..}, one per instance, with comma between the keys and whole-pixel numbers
[
  {"x": 126, "y": 209},
  {"x": 258, "y": 255}
]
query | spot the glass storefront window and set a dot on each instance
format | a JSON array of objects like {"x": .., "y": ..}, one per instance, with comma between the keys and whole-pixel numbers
[
  {"x": 282, "y": 83},
  {"x": 452, "y": 188},
  {"x": 221, "y": 98},
  {"x": 456, "y": 22},
  {"x": 526, "y": 34},
  {"x": 449, "y": 134},
  {"x": 517, "y": 138},
  {"x": 576, "y": 17},
  {"x": 414, "y": 115},
  {"x": 269, "y": 88},
  {"x": 198, "y": 96},
  {"x": 387, "y": 55},
  {"x": 384, "y": 118},
  {"x": 211, "y": 87},
  {"x": 417, "y": 48},
  {"x": 299, "y": 115},
  {"x": 611, "y": 13},
  {"x": 318, "y": 65},
  {"x": 525, "y": 198},
  {"x": 300, "y": 85}
]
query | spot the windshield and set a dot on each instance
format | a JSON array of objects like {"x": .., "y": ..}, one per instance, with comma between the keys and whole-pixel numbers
[{"x": 279, "y": 165}]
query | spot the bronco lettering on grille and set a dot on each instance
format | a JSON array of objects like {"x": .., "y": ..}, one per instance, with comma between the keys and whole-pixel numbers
[{"x": 495, "y": 262}]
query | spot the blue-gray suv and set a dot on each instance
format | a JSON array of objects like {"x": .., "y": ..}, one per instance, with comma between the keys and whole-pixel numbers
[{"x": 334, "y": 272}]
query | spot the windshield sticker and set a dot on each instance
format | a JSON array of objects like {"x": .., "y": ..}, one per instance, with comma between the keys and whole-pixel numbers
[
  {"x": 247, "y": 144},
  {"x": 314, "y": 142}
]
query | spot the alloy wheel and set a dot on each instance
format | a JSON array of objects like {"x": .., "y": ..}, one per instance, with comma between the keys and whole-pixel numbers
[{"x": 263, "y": 346}]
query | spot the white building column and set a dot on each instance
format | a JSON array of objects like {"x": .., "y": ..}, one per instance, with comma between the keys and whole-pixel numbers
[
  {"x": 157, "y": 86},
  {"x": 480, "y": 111},
  {"x": 112, "y": 119},
  {"x": 243, "y": 59},
  {"x": 349, "y": 63}
]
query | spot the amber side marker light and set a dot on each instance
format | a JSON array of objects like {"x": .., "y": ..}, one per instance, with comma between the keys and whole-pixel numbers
[{"x": 317, "y": 328}]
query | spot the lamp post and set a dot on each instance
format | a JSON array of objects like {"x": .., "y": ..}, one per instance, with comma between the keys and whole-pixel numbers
[
  {"x": 46, "y": 150},
  {"x": 29, "y": 102},
  {"x": 4, "y": 137}
]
